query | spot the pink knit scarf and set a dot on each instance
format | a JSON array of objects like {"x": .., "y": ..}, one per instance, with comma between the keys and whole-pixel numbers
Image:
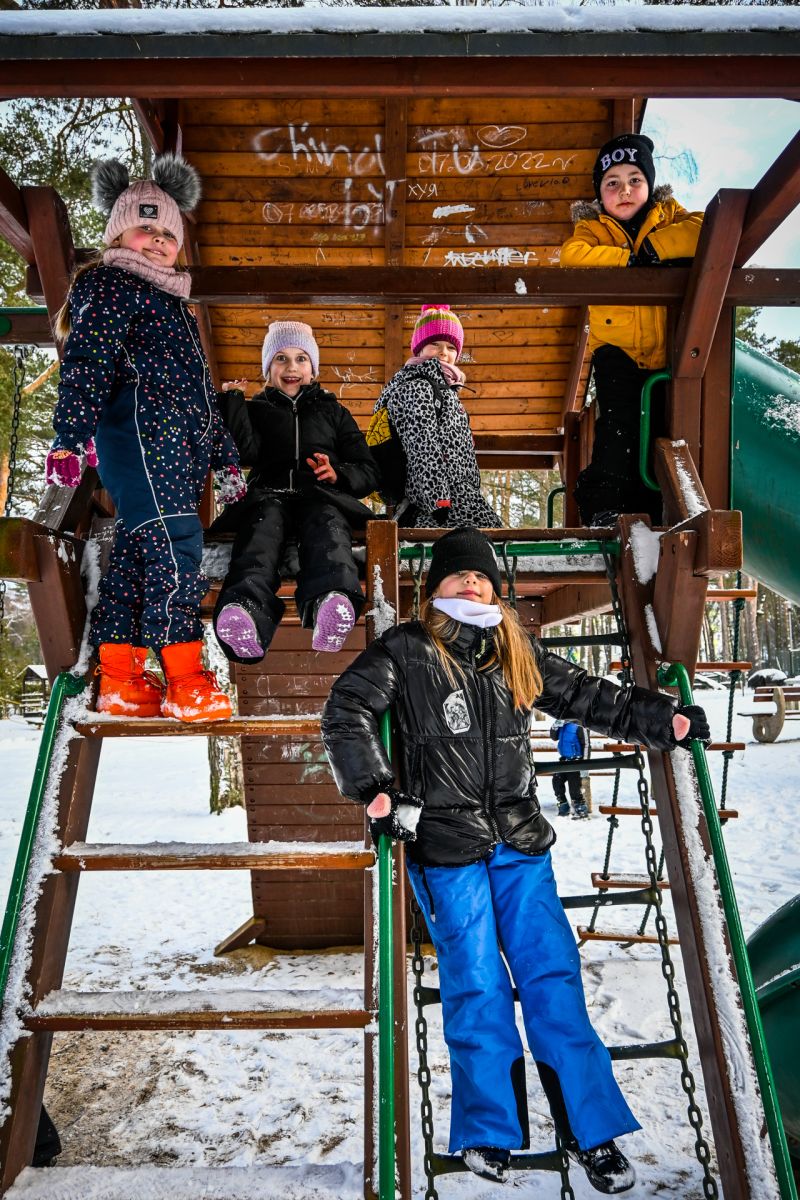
[
  {"x": 454, "y": 375},
  {"x": 177, "y": 283}
]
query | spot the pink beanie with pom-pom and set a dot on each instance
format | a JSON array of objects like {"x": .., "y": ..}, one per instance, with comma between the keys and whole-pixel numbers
[{"x": 436, "y": 323}]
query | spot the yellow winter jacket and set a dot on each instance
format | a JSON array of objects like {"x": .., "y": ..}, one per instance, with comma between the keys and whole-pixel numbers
[{"x": 600, "y": 241}]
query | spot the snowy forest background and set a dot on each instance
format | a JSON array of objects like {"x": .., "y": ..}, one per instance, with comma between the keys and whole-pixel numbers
[{"x": 55, "y": 142}]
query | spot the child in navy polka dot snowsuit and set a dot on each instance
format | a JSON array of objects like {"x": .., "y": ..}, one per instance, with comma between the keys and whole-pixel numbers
[{"x": 135, "y": 383}]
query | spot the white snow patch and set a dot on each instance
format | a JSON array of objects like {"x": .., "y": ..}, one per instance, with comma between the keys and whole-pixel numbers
[
  {"x": 652, "y": 627},
  {"x": 91, "y": 574},
  {"x": 691, "y": 498},
  {"x": 784, "y": 411},
  {"x": 645, "y": 545},
  {"x": 382, "y": 612},
  {"x": 520, "y": 288},
  {"x": 745, "y": 1091}
]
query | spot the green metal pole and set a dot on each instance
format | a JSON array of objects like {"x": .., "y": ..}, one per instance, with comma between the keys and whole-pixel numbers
[
  {"x": 644, "y": 426},
  {"x": 563, "y": 549},
  {"x": 551, "y": 500},
  {"x": 66, "y": 685},
  {"x": 676, "y": 675},
  {"x": 386, "y": 1146}
]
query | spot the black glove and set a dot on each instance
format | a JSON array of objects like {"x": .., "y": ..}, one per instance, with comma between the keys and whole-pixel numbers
[
  {"x": 698, "y": 724},
  {"x": 401, "y": 823},
  {"x": 439, "y": 516}
]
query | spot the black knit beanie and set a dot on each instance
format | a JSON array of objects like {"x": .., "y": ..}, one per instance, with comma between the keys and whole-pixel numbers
[
  {"x": 628, "y": 149},
  {"x": 462, "y": 550}
]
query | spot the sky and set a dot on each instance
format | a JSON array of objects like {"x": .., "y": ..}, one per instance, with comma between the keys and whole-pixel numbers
[{"x": 733, "y": 143}]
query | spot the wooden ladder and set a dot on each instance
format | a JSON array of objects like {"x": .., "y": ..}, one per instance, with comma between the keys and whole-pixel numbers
[{"x": 45, "y": 554}]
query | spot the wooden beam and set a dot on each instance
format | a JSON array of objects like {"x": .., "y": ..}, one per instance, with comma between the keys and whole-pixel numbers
[
  {"x": 14, "y": 218},
  {"x": 772, "y": 200},
  {"x": 571, "y": 466},
  {"x": 623, "y": 118},
  {"x": 679, "y": 599},
  {"x": 708, "y": 282},
  {"x": 573, "y": 600},
  {"x": 147, "y": 71},
  {"x": 715, "y": 415},
  {"x": 569, "y": 402},
  {"x": 52, "y": 243},
  {"x": 394, "y": 189},
  {"x": 159, "y": 120},
  {"x": 678, "y": 479},
  {"x": 21, "y": 328}
]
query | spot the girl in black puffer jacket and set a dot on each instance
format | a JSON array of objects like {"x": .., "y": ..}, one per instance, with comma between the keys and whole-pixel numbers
[
  {"x": 461, "y": 683},
  {"x": 310, "y": 463}
]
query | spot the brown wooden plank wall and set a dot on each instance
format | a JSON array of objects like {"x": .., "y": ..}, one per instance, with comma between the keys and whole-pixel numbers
[
  {"x": 290, "y": 796},
  {"x": 486, "y": 181}
]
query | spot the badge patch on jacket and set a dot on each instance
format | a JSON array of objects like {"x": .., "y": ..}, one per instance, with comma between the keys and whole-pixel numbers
[{"x": 456, "y": 712}]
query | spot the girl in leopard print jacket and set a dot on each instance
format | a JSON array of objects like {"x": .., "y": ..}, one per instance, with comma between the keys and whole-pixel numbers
[{"x": 442, "y": 478}]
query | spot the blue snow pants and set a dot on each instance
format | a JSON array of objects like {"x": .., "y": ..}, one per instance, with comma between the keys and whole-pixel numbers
[
  {"x": 151, "y": 593},
  {"x": 508, "y": 902}
]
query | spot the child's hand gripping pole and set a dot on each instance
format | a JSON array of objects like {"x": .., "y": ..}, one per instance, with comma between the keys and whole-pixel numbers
[
  {"x": 396, "y": 814},
  {"x": 63, "y": 467}
]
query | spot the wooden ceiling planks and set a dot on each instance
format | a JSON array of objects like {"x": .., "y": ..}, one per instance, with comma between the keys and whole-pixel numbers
[{"x": 486, "y": 182}]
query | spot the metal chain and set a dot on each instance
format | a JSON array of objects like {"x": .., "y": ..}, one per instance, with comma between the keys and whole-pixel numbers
[
  {"x": 727, "y": 755},
  {"x": 21, "y": 355},
  {"x": 423, "y": 1070},
  {"x": 511, "y": 573},
  {"x": 702, "y": 1151},
  {"x": 668, "y": 971},
  {"x": 566, "y": 1192}
]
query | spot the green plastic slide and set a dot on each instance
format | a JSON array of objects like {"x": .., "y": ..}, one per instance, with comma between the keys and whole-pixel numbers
[
  {"x": 765, "y": 468},
  {"x": 774, "y": 953}
]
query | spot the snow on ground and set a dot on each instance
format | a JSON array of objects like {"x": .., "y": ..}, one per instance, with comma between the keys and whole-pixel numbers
[{"x": 284, "y": 1110}]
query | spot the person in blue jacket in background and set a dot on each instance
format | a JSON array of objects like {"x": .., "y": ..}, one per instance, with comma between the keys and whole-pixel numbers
[{"x": 573, "y": 744}]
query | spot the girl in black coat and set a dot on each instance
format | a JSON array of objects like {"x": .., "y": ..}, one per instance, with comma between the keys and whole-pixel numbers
[
  {"x": 461, "y": 683},
  {"x": 310, "y": 461}
]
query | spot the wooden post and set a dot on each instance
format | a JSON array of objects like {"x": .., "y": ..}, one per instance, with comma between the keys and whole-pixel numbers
[
  {"x": 571, "y": 467},
  {"x": 53, "y": 247},
  {"x": 720, "y": 1074}
]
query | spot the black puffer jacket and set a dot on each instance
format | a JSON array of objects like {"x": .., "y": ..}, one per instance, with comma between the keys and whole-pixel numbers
[
  {"x": 275, "y": 434},
  {"x": 465, "y": 750}
]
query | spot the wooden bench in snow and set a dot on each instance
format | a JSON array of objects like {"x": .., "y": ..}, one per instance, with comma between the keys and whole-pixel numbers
[{"x": 771, "y": 707}]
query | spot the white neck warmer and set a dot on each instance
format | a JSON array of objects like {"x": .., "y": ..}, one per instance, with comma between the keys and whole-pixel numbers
[{"x": 470, "y": 612}]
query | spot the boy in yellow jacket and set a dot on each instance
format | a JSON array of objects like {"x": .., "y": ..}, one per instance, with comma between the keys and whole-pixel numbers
[{"x": 631, "y": 224}]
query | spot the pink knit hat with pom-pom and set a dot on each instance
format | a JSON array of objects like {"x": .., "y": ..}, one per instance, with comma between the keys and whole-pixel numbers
[{"x": 436, "y": 323}]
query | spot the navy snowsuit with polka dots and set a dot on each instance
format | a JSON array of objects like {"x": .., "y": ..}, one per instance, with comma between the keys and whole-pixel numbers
[{"x": 135, "y": 378}]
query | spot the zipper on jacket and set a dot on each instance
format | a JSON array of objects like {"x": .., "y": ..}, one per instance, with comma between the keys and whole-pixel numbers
[
  {"x": 485, "y": 687},
  {"x": 296, "y": 444},
  {"x": 427, "y": 887}
]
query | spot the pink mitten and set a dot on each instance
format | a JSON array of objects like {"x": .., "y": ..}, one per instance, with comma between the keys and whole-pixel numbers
[
  {"x": 63, "y": 468},
  {"x": 91, "y": 454},
  {"x": 231, "y": 485}
]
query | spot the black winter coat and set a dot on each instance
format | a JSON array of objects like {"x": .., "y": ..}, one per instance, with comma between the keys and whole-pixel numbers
[
  {"x": 465, "y": 750},
  {"x": 275, "y": 434}
]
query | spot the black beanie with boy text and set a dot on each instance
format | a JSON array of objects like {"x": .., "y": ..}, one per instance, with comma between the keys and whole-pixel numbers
[{"x": 628, "y": 149}]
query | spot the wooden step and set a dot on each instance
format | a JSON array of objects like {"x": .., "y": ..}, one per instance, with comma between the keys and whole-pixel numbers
[
  {"x": 624, "y": 881},
  {"x": 222, "y": 856},
  {"x": 99, "y": 725},
  {"x": 611, "y": 935},
  {"x": 616, "y": 810},
  {"x": 327, "y": 1008},
  {"x": 626, "y": 748}
]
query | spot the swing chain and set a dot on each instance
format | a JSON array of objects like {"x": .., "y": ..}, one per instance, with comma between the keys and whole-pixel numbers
[
  {"x": 511, "y": 573},
  {"x": 566, "y": 1192},
  {"x": 417, "y": 567},
  {"x": 702, "y": 1151},
  {"x": 423, "y": 1071}
]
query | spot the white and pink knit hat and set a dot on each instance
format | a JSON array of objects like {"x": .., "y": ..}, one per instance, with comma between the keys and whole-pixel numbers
[
  {"x": 174, "y": 189},
  {"x": 281, "y": 335}
]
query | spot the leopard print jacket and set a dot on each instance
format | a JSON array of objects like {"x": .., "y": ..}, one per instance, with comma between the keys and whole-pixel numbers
[{"x": 433, "y": 426}]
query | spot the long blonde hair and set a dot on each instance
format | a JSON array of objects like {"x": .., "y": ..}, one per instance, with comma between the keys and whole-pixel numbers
[
  {"x": 512, "y": 649},
  {"x": 62, "y": 325}
]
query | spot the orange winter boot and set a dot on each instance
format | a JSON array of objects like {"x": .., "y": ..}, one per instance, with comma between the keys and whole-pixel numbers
[
  {"x": 126, "y": 689},
  {"x": 192, "y": 692}
]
